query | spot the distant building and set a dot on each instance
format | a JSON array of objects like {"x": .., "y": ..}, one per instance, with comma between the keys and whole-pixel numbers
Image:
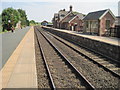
[
  {"x": 44, "y": 23},
  {"x": 99, "y": 22}
]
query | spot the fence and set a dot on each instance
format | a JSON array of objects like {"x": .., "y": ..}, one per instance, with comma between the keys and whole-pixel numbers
[{"x": 113, "y": 32}]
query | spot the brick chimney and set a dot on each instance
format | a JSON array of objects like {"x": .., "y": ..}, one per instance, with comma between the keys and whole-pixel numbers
[{"x": 70, "y": 8}]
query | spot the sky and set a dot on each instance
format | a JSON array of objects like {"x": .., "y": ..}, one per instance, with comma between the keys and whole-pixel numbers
[{"x": 40, "y": 10}]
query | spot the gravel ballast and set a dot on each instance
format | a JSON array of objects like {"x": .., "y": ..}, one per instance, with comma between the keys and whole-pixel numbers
[
  {"x": 62, "y": 75},
  {"x": 41, "y": 71},
  {"x": 95, "y": 74}
]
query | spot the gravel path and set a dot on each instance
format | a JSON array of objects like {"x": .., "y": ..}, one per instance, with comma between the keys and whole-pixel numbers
[
  {"x": 95, "y": 74},
  {"x": 63, "y": 76},
  {"x": 41, "y": 71}
]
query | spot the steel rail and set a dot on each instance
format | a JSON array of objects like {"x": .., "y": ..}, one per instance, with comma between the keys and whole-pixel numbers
[
  {"x": 105, "y": 68},
  {"x": 88, "y": 84},
  {"x": 46, "y": 65},
  {"x": 96, "y": 52}
]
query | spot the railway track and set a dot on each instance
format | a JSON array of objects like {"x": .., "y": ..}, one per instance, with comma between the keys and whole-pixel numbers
[
  {"x": 107, "y": 77},
  {"x": 61, "y": 72},
  {"x": 42, "y": 73},
  {"x": 50, "y": 83},
  {"x": 103, "y": 62}
]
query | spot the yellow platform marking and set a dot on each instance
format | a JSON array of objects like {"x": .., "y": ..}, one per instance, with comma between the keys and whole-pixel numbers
[{"x": 114, "y": 69}]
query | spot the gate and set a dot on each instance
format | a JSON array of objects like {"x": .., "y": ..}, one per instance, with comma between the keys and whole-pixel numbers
[{"x": 113, "y": 32}]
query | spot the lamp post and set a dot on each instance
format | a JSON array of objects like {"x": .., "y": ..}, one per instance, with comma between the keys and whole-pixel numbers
[
  {"x": 9, "y": 26},
  {"x": 12, "y": 22}
]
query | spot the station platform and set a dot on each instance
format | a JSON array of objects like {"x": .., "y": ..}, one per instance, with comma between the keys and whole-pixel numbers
[
  {"x": 109, "y": 40},
  {"x": 20, "y": 69},
  {"x": 105, "y": 46}
]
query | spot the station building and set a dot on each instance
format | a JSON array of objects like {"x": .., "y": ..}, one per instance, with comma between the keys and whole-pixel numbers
[
  {"x": 69, "y": 20},
  {"x": 99, "y": 22}
]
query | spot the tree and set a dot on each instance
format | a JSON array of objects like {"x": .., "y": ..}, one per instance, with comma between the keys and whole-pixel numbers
[
  {"x": 0, "y": 19},
  {"x": 28, "y": 23},
  {"x": 0, "y": 23},
  {"x": 32, "y": 22},
  {"x": 23, "y": 17},
  {"x": 10, "y": 17}
]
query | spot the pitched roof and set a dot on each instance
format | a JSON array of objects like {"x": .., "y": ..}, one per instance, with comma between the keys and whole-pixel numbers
[
  {"x": 68, "y": 19},
  {"x": 71, "y": 15},
  {"x": 44, "y": 21},
  {"x": 95, "y": 15},
  {"x": 80, "y": 15},
  {"x": 62, "y": 14}
]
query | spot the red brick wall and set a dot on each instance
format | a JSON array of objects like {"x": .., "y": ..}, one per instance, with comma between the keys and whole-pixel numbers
[
  {"x": 108, "y": 16},
  {"x": 62, "y": 26},
  {"x": 79, "y": 22}
]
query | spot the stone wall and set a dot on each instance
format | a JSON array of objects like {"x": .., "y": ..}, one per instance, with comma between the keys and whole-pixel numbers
[{"x": 108, "y": 50}]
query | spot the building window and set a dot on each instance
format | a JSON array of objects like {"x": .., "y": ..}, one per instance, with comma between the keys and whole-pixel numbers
[
  {"x": 94, "y": 24},
  {"x": 62, "y": 15},
  {"x": 107, "y": 24},
  {"x": 87, "y": 24}
]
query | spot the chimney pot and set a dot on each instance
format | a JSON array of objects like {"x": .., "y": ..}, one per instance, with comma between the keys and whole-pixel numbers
[{"x": 70, "y": 7}]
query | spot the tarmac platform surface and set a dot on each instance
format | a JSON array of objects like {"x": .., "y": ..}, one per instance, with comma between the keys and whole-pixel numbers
[
  {"x": 20, "y": 69},
  {"x": 10, "y": 41}
]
